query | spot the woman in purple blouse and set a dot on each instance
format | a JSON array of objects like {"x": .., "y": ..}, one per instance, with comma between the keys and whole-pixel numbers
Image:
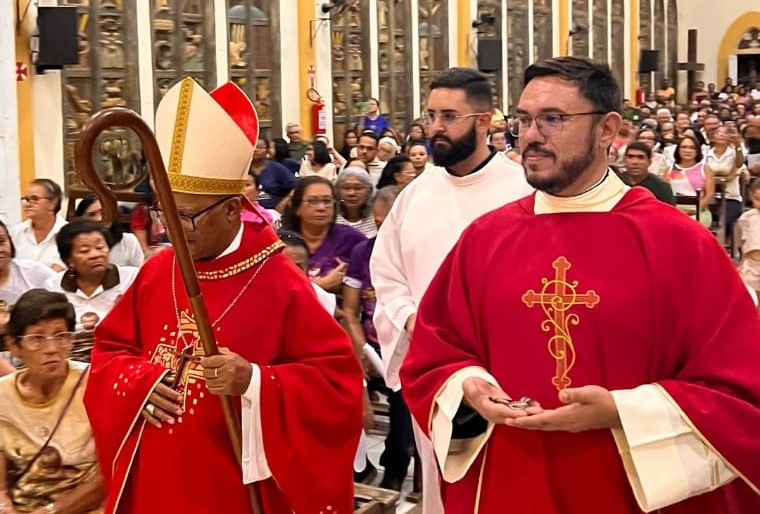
[{"x": 312, "y": 213}]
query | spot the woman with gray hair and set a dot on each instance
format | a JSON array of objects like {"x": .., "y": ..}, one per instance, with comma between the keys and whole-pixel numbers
[{"x": 354, "y": 187}]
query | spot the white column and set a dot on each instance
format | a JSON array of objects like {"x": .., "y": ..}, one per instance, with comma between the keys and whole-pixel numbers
[
  {"x": 570, "y": 28},
  {"x": 504, "y": 56},
  {"x": 374, "y": 51},
  {"x": 9, "y": 157},
  {"x": 323, "y": 45},
  {"x": 453, "y": 25},
  {"x": 145, "y": 61},
  {"x": 415, "y": 56},
  {"x": 627, "y": 93},
  {"x": 220, "y": 37},
  {"x": 290, "y": 96},
  {"x": 531, "y": 35},
  {"x": 555, "y": 31},
  {"x": 47, "y": 117}
]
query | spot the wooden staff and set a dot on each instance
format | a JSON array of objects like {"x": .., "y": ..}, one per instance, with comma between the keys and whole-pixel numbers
[{"x": 120, "y": 117}]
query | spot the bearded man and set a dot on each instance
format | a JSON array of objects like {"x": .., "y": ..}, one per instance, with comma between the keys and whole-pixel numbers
[
  {"x": 429, "y": 216},
  {"x": 574, "y": 300}
]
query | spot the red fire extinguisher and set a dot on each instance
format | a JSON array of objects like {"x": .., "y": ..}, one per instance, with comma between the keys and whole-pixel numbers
[
  {"x": 318, "y": 112},
  {"x": 641, "y": 96}
]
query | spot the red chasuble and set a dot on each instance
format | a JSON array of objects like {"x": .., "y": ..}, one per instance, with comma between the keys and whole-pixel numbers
[
  {"x": 311, "y": 388},
  {"x": 635, "y": 296}
]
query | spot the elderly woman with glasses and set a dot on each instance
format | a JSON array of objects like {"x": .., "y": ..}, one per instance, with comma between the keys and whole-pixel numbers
[
  {"x": 91, "y": 283},
  {"x": 354, "y": 188},
  {"x": 47, "y": 453},
  {"x": 312, "y": 213},
  {"x": 35, "y": 236}
]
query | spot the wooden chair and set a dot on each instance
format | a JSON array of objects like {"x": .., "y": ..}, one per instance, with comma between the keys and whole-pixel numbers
[{"x": 691, "y": 200}]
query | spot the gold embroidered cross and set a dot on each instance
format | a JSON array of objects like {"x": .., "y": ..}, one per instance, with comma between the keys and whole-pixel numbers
[{"x": 557, "y": 296}]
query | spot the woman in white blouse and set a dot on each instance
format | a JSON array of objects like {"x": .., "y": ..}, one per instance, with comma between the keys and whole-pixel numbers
[
  {"x": 16, "y": 277},
  {"x": 125, "y": 248},
  {"x": 91, "y": 283}
]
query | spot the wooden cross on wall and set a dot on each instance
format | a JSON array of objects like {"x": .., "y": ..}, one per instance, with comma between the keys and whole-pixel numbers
[{"x": 691, "y": 66}]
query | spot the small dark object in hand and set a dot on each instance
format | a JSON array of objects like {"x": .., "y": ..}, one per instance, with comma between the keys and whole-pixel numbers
[{"x": 522, "y": 403}]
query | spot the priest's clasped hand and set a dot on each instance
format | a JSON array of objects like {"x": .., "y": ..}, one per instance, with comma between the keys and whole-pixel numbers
[
  {"x": 586, "y": 408},
  {"x": 227, "y": 373},
  {"x": 163, "y": 403}
]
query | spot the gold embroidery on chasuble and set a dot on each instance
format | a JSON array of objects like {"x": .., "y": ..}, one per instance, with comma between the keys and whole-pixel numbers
[
  {"x": 190, "y": 371},
  {"x": 556, "y": 298}
]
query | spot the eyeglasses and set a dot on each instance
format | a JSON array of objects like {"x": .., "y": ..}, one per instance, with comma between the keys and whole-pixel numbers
[
  {"x": 550, "y": 124},
  {"x": 189, "y": 219},
  {"x": 34, "y": 341},
  {"x": 446, "y": 117},
  {"x": 316, "y": 202},
  {"x": 35, "y": 198}
]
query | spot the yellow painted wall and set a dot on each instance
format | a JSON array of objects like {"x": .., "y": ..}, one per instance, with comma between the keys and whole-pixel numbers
[
  {"x": 730, "y": 41},
  {"x": 563, "y": 29},
  {"x": 306, "y": 56},
  {"x": 24, "y": 95},
  {"x": 464, "y": 33},
  {"x": 634, "y": 42}
]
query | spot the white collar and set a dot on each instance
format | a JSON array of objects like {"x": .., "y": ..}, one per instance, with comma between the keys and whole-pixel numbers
[
  {"x": 234, "y": 245},
  {"x": 601, "y": 197}
]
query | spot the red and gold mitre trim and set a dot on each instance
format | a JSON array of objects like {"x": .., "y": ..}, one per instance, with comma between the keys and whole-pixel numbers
[{"x": 204, "y": 185}]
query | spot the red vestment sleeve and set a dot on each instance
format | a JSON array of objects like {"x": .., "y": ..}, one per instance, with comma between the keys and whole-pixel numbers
[
  {"x": 121, "y": 379},
  {"x": 717, "y": 388},
  {"x": 311, "y": 410}
]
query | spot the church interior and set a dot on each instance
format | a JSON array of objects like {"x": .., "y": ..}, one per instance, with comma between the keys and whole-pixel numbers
[{"x": 316, "y": 63}]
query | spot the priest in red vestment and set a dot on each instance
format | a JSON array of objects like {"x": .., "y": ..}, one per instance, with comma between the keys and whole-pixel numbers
[
  {"x": 587, "y": 349},
  {"x": 288, "y": 365}
]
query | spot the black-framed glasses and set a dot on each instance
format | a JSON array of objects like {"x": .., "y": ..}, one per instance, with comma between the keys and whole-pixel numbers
[
  {"x": 34, "y": 341},
  {"x": 550, "y": 124},
  {"x": 190, "y": 218},
  {"x": 446, "y": 117},
  {"x": 35, "y": 198}
]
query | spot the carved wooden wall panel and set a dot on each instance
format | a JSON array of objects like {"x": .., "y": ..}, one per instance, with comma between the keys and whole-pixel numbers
[
  {"x": 672, "y": 30},
  {"x": 394, "y": 60},
  {"x": 106, "y": 76},
  {"x": 254, "y": 62},
  {"x": 543, "y": 30},
  {"x": 183, "y": 43},
  {"x": 580, "y": 27},
  {"x": 659, "y": 39},
  {"x": 617, "y": 19},
  {"x": 599, "y": 30},
  {"x": 434, "y": 51},
  {"x": 517, "y": 49},
  {"x": 350, "y": 45}
]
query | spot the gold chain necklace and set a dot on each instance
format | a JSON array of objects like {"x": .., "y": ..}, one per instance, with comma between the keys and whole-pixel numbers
[{"x": 180, "y": 332}]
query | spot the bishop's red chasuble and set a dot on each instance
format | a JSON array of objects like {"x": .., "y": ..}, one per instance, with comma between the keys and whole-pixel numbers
[
  {"x": 638, "y": 295},
  {"x": 264, "y": 309}
]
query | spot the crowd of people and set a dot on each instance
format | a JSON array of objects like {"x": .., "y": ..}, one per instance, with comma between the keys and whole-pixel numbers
[{"x": 367, "y": 228}]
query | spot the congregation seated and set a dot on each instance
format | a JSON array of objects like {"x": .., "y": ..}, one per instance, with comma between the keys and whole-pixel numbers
[
  {"x": 125, "y": 248},
  {"x": 637, "y": 160},
  {"x": 91, "y": 283},
  {"x": 399, "y": 171},
  {"x": 35, "y": 236},
  {"x": 47, "y": 453}
]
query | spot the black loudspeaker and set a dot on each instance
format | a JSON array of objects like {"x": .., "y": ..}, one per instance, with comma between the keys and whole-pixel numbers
[
  {"x": 58, "y": 41},
  {"x": 489, "y": 55},
  {"x": 649, "y": 61}
]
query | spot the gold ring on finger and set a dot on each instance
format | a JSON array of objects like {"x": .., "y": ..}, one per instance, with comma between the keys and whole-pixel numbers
[
  {"x": 150, "y": 409},
  {"x": 216, "y": 372}
]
